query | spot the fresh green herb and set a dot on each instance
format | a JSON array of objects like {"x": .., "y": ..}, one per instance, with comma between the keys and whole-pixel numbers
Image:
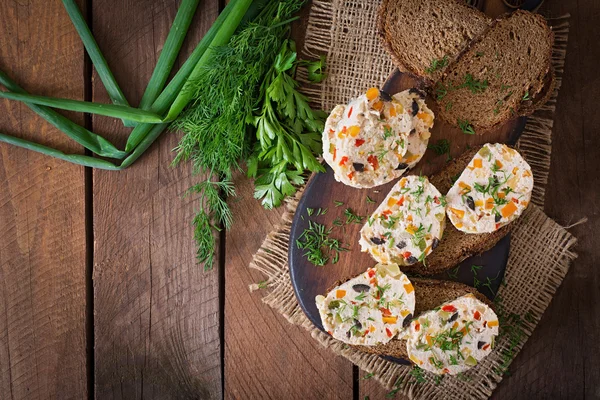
[
  {"x": 448, "y": 106},
  {"x": 504, "y": 87},
  {"x": 441, "y": 91},
  {"x": 318, "y": 245},
  {"x": 337, "y": 222},
  {"x": 315, "y": 69},
  {"x": 338, "y": 203},
  {"x": 437, "y": 64},
  {"x": 476, "y": 282},
  {"x": 438, "y": 379},
  {"x": 465, "y": 126},
  {"x": 322, "y": 211},
  {"x": 361, "y": 296},
  {"x": 479, "y": 54},
  {"x": 351, "y": 217},
  {"x": 417, "y": 374},
  {"x": 441, "y": 147},
  {"x": 387, "y": 132},
  {"x": 455, "y": 178},
  {"x": 462, "y": 377},
  {"x": 475, "y": 268},
  {"x": 310, "y": 211},
  {"x": 454, "y": 273},
  {"x": 526, "y": 96},
  {"x": 262, "y": 284},
  {"x": 474, "y": 85},
  {"x": 370, "y": 200}
]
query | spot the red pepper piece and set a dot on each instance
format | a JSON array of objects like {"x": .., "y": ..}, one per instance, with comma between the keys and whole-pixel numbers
[
  {"x": 371, "y": 273},
  {"x": 449, "y": 308},
  {"x": 350, "y": 112},
  {"x": 417, "y": 326},
  {"x": 386, "y": 213},
  {"x": 351, "y": 175},
  {"x": 485, "y": 347},
  {"x": 406, "y": 254},
  {"x": 359, "y": 142},
  {"x": 389, "y": 333},
  {"x": 436, "y": 200},
  {"x": 400, "y": 201},
  {"x": 386, "y": 312},
  {"x": 477, "y": 315},
  {"x": 343, "y": 160},
  {"x": 372, "y": 159}
]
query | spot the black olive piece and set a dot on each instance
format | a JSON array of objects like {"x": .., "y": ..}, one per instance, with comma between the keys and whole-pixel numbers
[
  {"x": 412, "y": 131},
  {"x": 435, "y": 243},
  {"x": 415, "y": 107},
  {"x": 412, "y": 259},
  {"x": 406, "y": 321},
  {"x": 495, "y": 181},
  {"x": 453, "y": 317},
  {"x": 480, "y": 345},
  {"x": 377, "y": 240},
  {"x": 334, "y": 304},
  {"x": 357, "y": 324},
  {"x": 358, "y": 167},
  {"x": 417, "y": 91},
  {"x": 497, "y": 218},
  {"x": 385, "y": 96},
  {"x": 470, "y": 203},
  {"x": 348, "y": 334},
  {"x": 401, "y": 245},
  {"x": 402, "y": 166},
  {"x": 361, "y": 288}
]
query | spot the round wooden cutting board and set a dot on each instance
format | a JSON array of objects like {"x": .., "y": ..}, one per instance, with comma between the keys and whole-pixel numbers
[{"x": 485, "y": 271}]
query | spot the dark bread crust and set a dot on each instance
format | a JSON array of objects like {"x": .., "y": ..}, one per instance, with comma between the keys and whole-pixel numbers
[
  {"x": 451, "y": 23},
  {"x": 455, "y": 245},
  {"x": 478, "y": 109}
]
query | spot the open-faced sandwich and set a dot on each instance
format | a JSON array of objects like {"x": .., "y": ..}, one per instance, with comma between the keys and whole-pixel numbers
[
  {"x": 369, "y": 309},
  {"x": 493, "y": 190},
  {"x": 453, "y": 337},
  {"x": 408, "y": 225},
  {"x": 377, "y": 137}
]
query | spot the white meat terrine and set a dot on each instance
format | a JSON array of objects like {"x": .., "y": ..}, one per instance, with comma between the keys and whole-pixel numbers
[
  {"x": 377, "y": 137},
  {"x": 369, "y": 309},
  {"x": 408, "y": 225},
  {"x": 492, "y": 191}
]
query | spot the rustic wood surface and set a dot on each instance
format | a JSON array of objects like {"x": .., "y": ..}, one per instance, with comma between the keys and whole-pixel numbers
[{"x": 100, "y": 295}]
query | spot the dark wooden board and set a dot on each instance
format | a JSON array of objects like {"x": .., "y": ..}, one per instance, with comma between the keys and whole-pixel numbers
[
  {"x": 322, "y": 192},
  {"x": 42, "y": 213}
]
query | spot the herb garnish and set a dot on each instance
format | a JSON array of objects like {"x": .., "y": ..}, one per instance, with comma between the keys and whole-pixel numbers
[
  {"x": 351, "y": 217},
  {"x": 441, "y": 147},
  {"x": 370, "y": 200},
  {"x": 338, "y": 203},
  {"x": 465, "y": 126},
  {"x": 318, "y": 244},
  {"x": 526, "y": 96},
  {"x": 437, "y": 64},
  {"x": 474, "y": 85}
]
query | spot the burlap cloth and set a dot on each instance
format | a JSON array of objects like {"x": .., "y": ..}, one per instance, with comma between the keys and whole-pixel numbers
[{"x": 540, "y": 253}]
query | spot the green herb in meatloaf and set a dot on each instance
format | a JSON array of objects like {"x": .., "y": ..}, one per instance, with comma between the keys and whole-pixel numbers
[{"x": 245, "y": 107}]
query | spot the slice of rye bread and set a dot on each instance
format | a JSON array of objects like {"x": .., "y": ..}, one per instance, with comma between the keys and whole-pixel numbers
[
  {"x": 429, "y": 294},
  {"x": 504, "y": 73},
  {"x": 455, "y": 245},
  {"x": 417, "y": 32}
]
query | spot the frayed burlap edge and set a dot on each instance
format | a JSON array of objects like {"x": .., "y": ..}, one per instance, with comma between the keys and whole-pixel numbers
[{"x": 533, "y": 231}]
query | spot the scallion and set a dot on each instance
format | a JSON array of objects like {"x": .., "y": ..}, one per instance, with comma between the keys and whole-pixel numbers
[
  {"x": 108, "y": 110},
  {"x": 105, "y": 74}
]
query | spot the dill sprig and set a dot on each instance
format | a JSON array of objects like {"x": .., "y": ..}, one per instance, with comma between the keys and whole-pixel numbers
[
  {"x": 318, "y": 245},
  {"x": 441, "y": 147}
]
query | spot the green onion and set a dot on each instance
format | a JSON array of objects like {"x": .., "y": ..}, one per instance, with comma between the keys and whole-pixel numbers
[
  {"x": 108, "y": 110},
  {"x": 106, "y": 76},
  {"x": 168, "y": 95},
  {"x": 95, "y": 143},
  {"x": 72, "y": 158},
  {"x": 151, "y": 136},
  {"x": 223, "y": 35},
  {"x": 169, "y": 53}
]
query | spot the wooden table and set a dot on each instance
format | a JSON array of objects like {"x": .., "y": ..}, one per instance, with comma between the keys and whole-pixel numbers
[{"x": 100, "y": 295}]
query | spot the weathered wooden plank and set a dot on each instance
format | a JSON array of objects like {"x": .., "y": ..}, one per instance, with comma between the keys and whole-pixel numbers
[
  {"x": 560, "y": 359},
  {"x": 157, "y": 312},
  {"x": 42, "y": 214},
  {"x": 265, "y": 356}
]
